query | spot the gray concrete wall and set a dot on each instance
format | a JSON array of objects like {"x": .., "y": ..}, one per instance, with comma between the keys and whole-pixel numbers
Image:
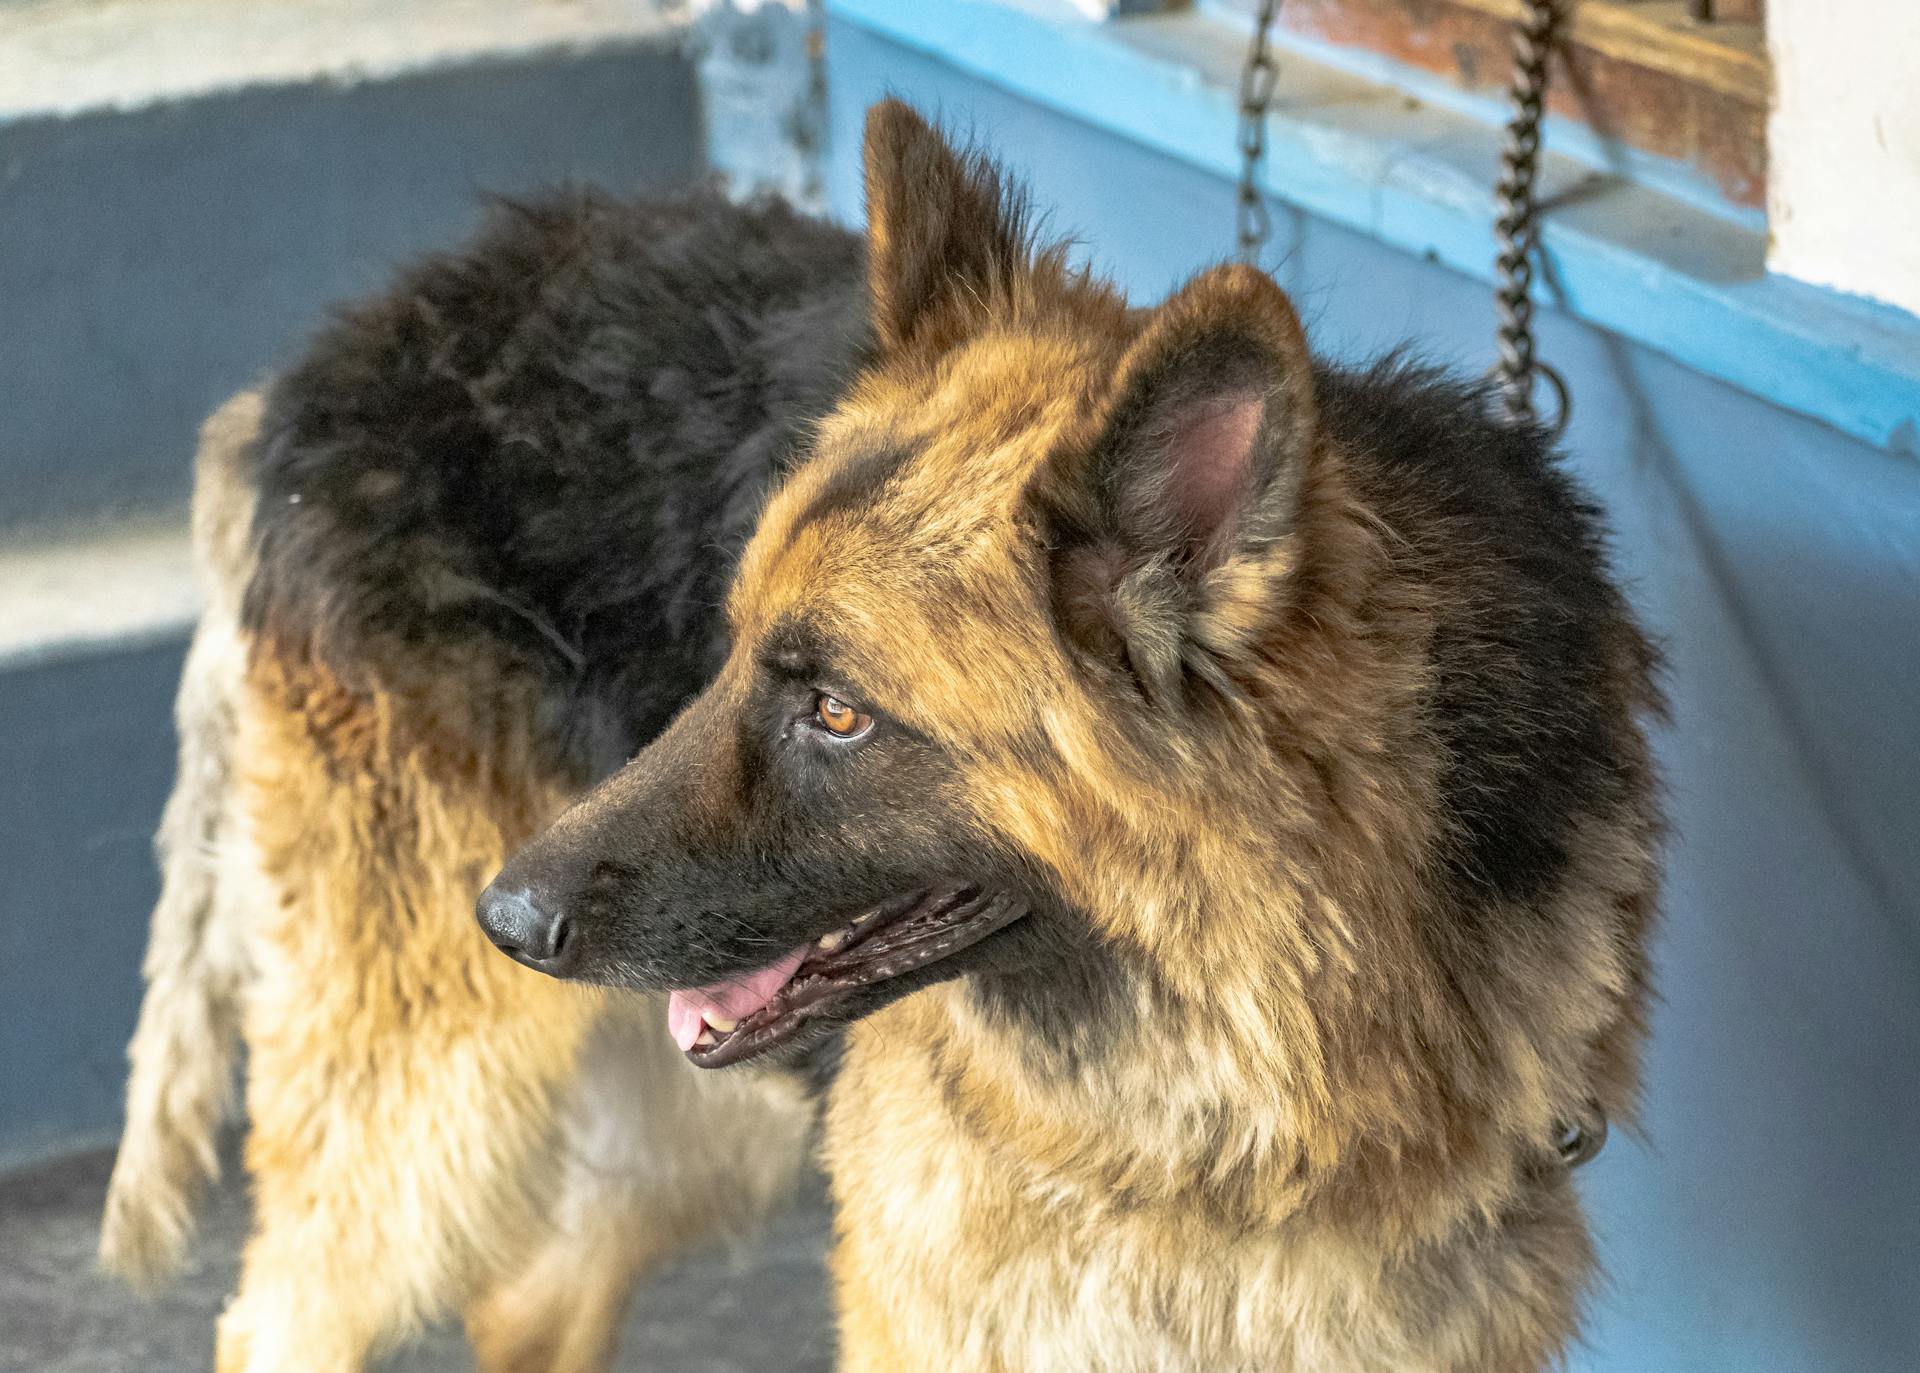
[
  {"x": 1768, "y": 1219},
  {"x": 86, "y": 758},
  {"x": 153, "y": 262}
]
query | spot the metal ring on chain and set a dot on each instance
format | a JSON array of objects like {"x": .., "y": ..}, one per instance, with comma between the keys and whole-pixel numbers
[
  {"x": 1562, "y": 412},
  {"x": 1516, "y": 225},
  {"x": 1517, "y": 228},
  {"x": 1562, "y": 399},
  {"x": 1577, "y": 1141}
]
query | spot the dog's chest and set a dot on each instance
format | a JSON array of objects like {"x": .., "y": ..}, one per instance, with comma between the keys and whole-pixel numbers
[{"x": 954, "y": 1251}]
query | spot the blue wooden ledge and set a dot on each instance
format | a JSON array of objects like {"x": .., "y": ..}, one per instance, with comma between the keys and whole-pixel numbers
[{"x": 1641, "y": 263}]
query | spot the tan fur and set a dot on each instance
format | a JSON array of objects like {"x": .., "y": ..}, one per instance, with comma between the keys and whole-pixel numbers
[
  {"x": 1304, "y": 1133},
  {"x": 432, "y": 1128},
  {"x": 1304, "y": 1153},
  {"x": 1270, "y": 1136},
  {"x": 183, "y": 1049}
]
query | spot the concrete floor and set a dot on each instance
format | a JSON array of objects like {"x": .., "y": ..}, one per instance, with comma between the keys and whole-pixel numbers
[{"x": 761, "y": 1310}]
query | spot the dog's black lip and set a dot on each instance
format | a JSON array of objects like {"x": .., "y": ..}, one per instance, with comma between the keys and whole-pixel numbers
[{"x": 960, "y": 918}]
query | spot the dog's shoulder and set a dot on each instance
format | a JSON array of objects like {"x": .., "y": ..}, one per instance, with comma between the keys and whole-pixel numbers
[
  {"x": 553, "y": 440},
  {"x": 1540, "y": 672}
]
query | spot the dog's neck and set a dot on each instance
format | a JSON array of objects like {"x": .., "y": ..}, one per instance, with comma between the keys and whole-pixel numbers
[{"x": 1248, "y": 1088}]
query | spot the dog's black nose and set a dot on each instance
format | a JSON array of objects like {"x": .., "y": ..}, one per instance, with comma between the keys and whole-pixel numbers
[{"x": 521, "y": 929}]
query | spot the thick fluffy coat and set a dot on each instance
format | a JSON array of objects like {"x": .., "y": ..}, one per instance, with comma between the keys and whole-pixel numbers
[
  {"x": 1208, "y": 788},
  {"x": 1193, "y": 796},
  {"x": 461, "y": 560}
]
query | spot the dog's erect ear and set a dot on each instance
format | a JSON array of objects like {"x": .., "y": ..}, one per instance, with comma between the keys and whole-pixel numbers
[
  {"x": 945, "y": 230},
  {"x": 1211, "y": 425},
  {"x": 1195, "y": 481}
]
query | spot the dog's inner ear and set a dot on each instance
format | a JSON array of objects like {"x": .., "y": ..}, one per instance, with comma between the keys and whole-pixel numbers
[
  {"x": 1179, "y": 478},
  {"x": 1211, "y": 425},
  {"x": 1194, "y": 483},
  {"x": 946, "y": 233}
]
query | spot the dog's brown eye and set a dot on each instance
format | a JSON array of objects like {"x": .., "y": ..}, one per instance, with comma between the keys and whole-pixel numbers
[{"x": 839, "y": 719}]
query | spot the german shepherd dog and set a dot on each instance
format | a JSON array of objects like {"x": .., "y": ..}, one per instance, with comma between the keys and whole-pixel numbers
[{"x": 1182, "y": 807}]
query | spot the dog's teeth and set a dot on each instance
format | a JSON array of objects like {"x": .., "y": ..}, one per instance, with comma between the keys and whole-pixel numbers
[
  {"x": 705, "y": 1038},
  {"x": 830, "y": 942},
  {"x": 720, "y": 1022}
]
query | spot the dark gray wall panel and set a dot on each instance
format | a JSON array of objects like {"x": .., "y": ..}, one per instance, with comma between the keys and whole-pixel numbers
[
  {"x": 86, "y": 758},
  {"x": 153, "y": 262}
]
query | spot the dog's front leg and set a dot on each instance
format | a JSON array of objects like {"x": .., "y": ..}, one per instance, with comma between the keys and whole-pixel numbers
[{"x": 405, "y": 1082}]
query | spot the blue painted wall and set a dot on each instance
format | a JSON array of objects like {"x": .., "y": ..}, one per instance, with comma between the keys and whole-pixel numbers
[{"x": 1769, "y": 1220}]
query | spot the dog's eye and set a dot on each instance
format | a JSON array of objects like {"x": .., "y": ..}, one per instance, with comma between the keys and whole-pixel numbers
[{"x": 838, "y": 718}]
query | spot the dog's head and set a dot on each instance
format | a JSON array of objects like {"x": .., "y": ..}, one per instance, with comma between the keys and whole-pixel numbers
[{"x": 992, "y": 642}]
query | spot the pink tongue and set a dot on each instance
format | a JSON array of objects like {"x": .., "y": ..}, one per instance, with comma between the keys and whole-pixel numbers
[{"x": 735, "y": 999}]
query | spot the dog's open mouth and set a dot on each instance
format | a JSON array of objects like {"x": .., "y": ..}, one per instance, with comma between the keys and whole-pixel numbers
[{"x": 748, "y": 1015}]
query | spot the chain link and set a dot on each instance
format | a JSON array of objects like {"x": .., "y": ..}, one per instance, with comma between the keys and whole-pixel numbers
[
  {"x": 1253, "y": 221},
  {"x": 1517, "y": 226}
]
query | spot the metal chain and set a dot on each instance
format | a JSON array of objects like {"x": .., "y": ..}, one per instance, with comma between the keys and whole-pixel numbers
[
  {"x": 1518, "y": 225},
  {"x": 1253, "y": 222},
  {"x": 813, "y": 114}
]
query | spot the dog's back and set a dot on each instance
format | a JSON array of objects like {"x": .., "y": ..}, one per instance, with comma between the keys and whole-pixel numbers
[
  {"x": 464, "y": 557},
  {"x": 548, "y": 450}
]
